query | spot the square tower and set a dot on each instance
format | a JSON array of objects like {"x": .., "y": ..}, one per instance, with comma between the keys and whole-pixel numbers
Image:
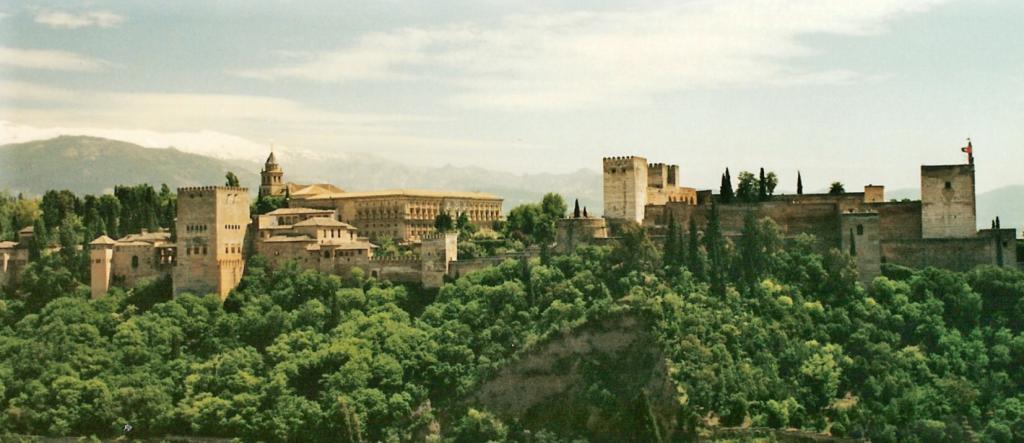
[
  {"x": 860, "y": 238},
  {"x": 947, "y": 201},
  {"x": 625, "y": 188},
  {"x": 211, "y": 226}
]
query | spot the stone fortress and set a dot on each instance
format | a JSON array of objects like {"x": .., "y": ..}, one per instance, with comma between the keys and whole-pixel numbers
[
  {"x": 939, "y": 230},
  {"x": 333, "y": 231},
  {"x": 324, "y": 228}
]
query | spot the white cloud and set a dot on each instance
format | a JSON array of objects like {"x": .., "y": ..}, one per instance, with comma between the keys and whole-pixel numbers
[
  {"x": 581, "y": 59},
  {"x": 210, "y": 143},
  {"x": 200, "y": 123},
  {"x": 48, "y": 60},
  {"x": 67, "y": 20}
]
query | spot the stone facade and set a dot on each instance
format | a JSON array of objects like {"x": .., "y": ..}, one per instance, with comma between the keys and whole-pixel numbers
[
  {"x": 573, "y": 231},
  {"x": 404, "y": 215},
  {"x": 947, "y": 201},
  {"x": 631, "y": 184},
  {"x": 211, "y": 228},
  {"x": 940, "y": 230}
]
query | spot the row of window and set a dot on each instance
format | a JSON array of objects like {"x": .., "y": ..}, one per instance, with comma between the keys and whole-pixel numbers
[
  {"x": 233, "y": 227},
  {"x": 195, "y": 228}
]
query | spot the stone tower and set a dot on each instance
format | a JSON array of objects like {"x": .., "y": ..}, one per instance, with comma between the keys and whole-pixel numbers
[
  {"x": 271, "y": 177},
  {"x": 101, "y": 256},
  {"x": 437, "y": 252},
  {"x": 625, "y": 188},
  {"x": 211, "y": 227},
  {"x": 947, "y": 201},
  {"x": 860, "y": 238}
]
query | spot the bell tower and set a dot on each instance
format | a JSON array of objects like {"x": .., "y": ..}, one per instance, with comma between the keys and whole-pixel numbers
[{"x": 271, "y": 177}]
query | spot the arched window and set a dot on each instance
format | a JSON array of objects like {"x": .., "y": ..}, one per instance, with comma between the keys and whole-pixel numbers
[
  {"x": 860, "y": 229},
  {"x": 135, "y": 261}
]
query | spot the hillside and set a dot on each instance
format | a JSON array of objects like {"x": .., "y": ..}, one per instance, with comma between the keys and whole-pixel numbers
[
  {"x": 1007, "y": 203},
  {"x": 92, "y": 165}
]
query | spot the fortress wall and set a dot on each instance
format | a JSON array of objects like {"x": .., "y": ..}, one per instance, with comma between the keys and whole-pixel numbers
[
  {"x": 463, "y": 267},
  {"x": 570, "y": 232},
  {"x": 845, "y": 202},
  {"x": 899, "y": 220},
  {"x": 957, "y": 254},
  {"x": 818, "y": 219},
  {"x": 659, "y": 196},
  {"x": 148, "y": 266}
]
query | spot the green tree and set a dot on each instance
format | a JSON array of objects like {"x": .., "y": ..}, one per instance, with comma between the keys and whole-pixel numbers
[
  {"x": 672, "y": 246},
  {"x": 694, "y": 260},
  {"x": 725, "y": 190},
  {"x": 714, "y": 244},
  {"x": 836, "y": 188},
  {"x": 443, "y": 222},
  {"x": 231, "y": 180},
  {"x": 771, "y": 181},
  {"x": 553, "y": 206},
  {"x": 747, "y": 188}
]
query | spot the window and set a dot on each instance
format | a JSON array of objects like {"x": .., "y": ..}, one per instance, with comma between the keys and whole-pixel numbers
[
  {"x": 135, "y": 261},
  {"x": 860, "y": 229},
  {"x": 949, "y": 185}
]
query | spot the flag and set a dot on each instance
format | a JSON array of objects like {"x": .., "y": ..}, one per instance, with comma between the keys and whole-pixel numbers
[{"x": 968, "y": 149}]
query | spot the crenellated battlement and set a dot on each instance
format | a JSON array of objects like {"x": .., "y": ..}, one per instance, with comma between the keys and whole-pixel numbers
[
  {"x": 212, "y": 188},
  {"x": 400, "y": 260}
]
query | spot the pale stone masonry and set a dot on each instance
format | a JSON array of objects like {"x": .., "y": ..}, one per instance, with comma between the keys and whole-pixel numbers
[
  {"x": 326, "y": 229},
  {"x": 403, "y": 215},
  {"x": 211, "y": 228}
]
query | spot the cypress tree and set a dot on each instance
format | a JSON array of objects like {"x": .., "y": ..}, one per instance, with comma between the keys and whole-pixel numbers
[
  {"x": 762, "y": 187},
  {"x": 576, "y": 209},
  {"x": 853, "y": 244},
  {"x": 714, "y": 244},
  {"x": 726, "y": 191},
  {"x": 39, "y": 240},
  {"x": 671, "y": 246},
  {"x": 750, "y": 253},
  {"x": 799, "y": 184},
  {"x": 693, "y": 254}
]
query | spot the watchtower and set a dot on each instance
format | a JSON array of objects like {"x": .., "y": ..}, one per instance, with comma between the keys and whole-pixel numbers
[
  {"x": 862, "y": 240},
  {"x": 625, "y": 188},
  {"x": 101, "y": 257},
  {"x": 437, "y": 252},
  {"x": 271, "y": 177},
  {"x": 211, "y": 227},
  {"x": 947, "y": 201}
]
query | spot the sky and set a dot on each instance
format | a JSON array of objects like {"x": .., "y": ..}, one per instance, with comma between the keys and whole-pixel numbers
[{"x": 857, "y": 91}]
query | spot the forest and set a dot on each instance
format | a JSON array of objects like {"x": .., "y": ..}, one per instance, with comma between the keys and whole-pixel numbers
[{"x": 757, "y": 331}]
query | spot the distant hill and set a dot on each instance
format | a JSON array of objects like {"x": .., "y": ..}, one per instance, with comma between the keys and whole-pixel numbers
[
  {"x": 94, "y": 165},
  {"x": 91, "y": 165},
  {"x": 1007, "y": 203}
]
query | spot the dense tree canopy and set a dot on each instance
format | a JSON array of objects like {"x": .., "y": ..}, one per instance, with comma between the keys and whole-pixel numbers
[{"x": 759, "y": 331}]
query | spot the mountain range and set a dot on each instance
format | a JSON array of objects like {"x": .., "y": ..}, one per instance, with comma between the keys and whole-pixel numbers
[{"x": 90, "y": 165}]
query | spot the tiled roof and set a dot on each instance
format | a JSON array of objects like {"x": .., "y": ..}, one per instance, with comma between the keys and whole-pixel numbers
[
  {"x": 323, "y": 221},
  {"x": 406, "y": 193}
]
